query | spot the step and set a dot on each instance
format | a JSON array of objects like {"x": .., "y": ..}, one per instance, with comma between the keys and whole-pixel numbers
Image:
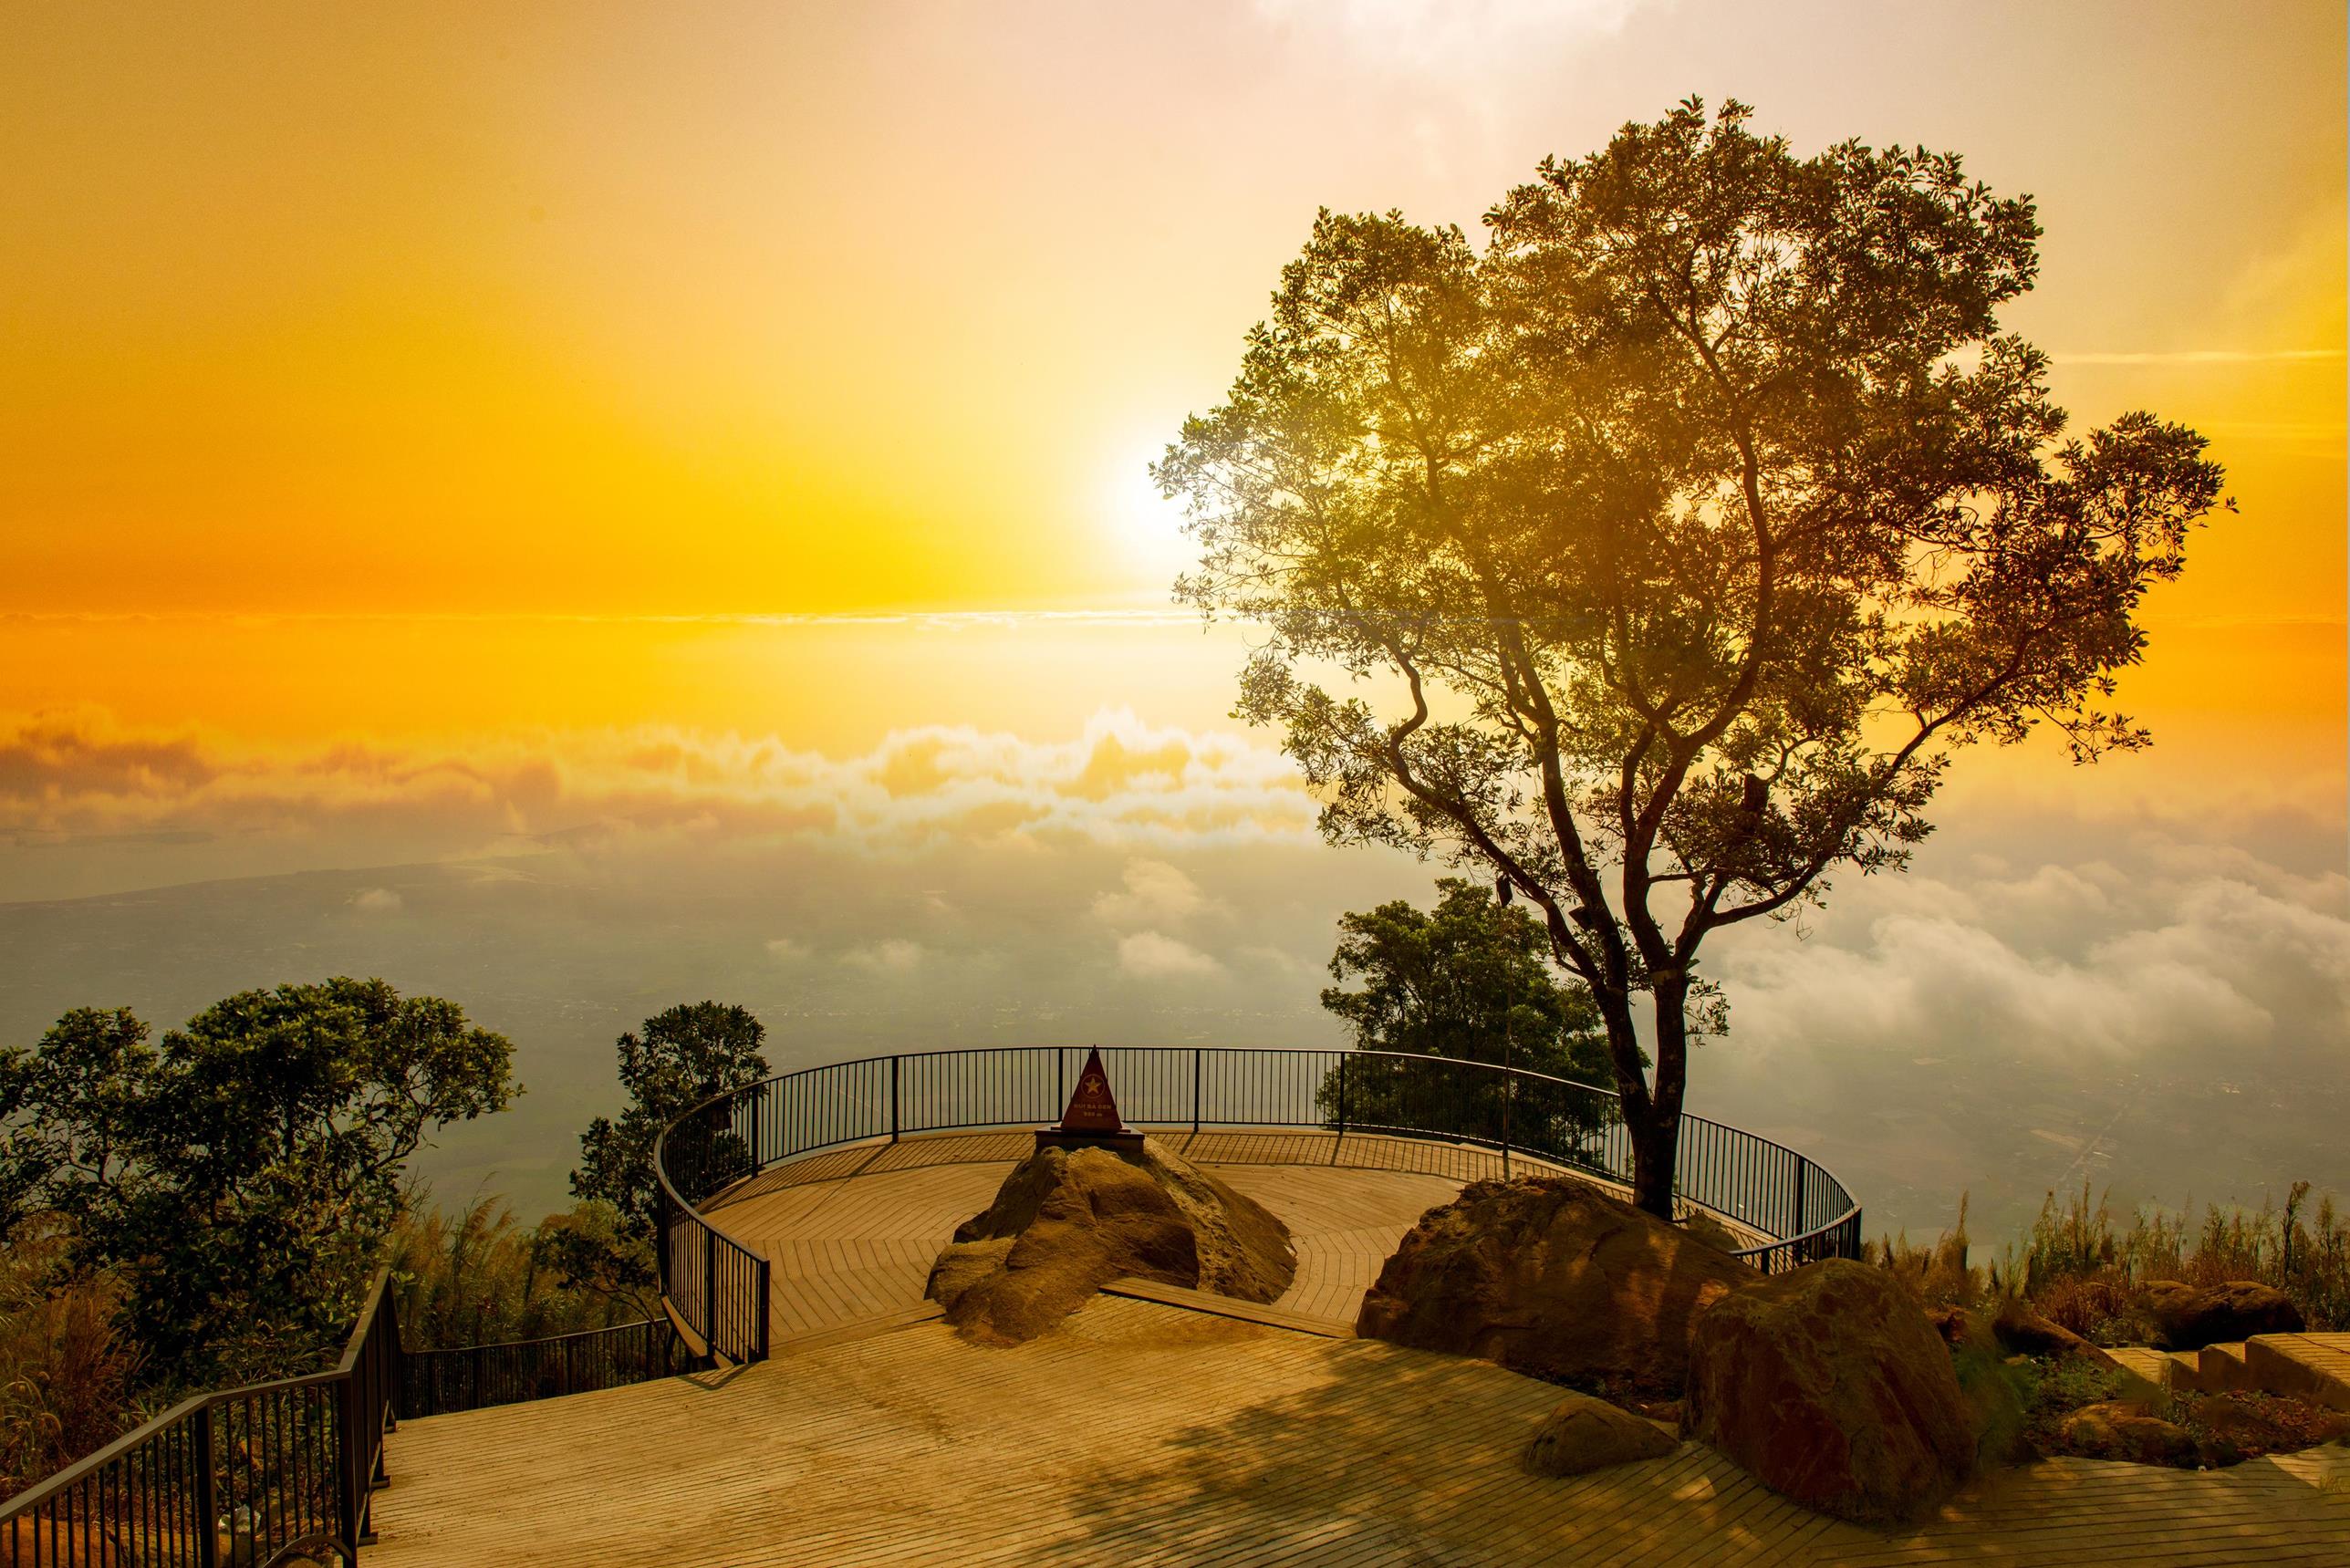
[
  {"x": 2146, "y": 1361},
  {"x": 1228, "y": 1306},
  {"x": 2221, "y": 1369},
  {"x": 2313, "y": 1366}
]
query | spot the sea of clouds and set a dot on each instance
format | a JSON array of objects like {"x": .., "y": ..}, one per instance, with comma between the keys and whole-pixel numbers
[{"x": 2138, "y": 996}]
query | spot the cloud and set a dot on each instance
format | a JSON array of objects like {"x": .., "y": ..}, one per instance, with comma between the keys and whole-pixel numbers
[
  {"x": 1150, "y": 955},
  {"x": 2149, "y": 949},
  {"x": 1156, "y": 894},
  {"x": 786, "y": 950},
  {"x": 378, "y": 901},
  {"x": 2203, "y": 357},
  {"x": 891, "y": 956},
  {"x": 77, "y": 779}
]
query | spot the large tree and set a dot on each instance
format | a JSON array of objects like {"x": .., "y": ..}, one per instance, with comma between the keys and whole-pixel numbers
[
  {"x": 1670, "y": 545},
  {"x": 242, "y": 1177}
]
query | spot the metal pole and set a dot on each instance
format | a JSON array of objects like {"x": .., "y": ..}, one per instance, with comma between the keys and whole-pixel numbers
[
  {"x": 207, "y": 1494},
  {"x": 710, "y": 1288},
  {"x": 893, "y": 1100},
  {"x": 1195, "y": 1091}
]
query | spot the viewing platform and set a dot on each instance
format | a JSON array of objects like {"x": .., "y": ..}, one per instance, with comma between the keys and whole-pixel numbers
[
  {"x": 835, "y": 1420},
  {"x": 1147, "y": 1432}
]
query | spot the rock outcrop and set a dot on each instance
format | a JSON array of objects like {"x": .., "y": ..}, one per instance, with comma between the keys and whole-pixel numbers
[
  {"x": 2025, "y": 1333},
  {"x": 1583, "y": 1434},
  {"x": 1831, "y": 1387},
  {"x": 1551, "y": 1276},
  {"x": 1066, "y": 1222},
  {"x": 2188, "y": 1317},
  {"x": 2121, "y": 1430}
]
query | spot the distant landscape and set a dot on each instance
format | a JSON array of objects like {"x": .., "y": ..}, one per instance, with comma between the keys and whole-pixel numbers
[{"x": 2104, "y": 1003}]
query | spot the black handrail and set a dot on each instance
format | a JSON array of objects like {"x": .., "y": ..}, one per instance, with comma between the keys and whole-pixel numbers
[
  {"x": 254, "y": 1475},
  {"x": 716, "y": 1287},
  {"x": 446, "y": 1380}
]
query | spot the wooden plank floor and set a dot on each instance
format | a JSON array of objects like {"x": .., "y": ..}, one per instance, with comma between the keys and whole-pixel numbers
[
  {"x": 852, "y": 1233},
  {"x": 1147, "y": 1434}
]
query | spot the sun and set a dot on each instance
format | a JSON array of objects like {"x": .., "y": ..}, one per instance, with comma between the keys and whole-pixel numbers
[{"x": 1146, "y": 527}]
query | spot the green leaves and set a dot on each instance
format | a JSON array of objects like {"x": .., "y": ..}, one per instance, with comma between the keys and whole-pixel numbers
[
  {"x": 1714, "y": 463},
  {"x": 1660, "y": 555},
  {"x": 681, "y": 1057},
  {"x": 244, "y": 1175}
]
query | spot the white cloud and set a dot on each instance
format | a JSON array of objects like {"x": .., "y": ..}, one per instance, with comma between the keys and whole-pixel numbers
[
  {"x": 786, "y": 950},
  {"x": 892, "y": 956},
  {"x": 1152, "y": 955},
  {"x": 378, "y": 901},
  {"x": 79, "y": 782},
  {"x": 1156, "y": 894}
]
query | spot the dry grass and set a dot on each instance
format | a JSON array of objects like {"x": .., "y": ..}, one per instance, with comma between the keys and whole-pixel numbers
[
  {"x": 474, "y": 1276},
  {"x": 66, "y": 1372},
  {"x": 2080, "y": 1267}
]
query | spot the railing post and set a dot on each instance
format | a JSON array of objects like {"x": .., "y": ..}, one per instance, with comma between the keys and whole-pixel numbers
[
  {"x": 758, "y": 1098},
  {"x": 759, "y": 1324},
  {"x": 893, "y": 1098},
  {"x": 1195, "y": 1091},
  {"x": 1798, "y": 1228},
  {"x": 1342, "y": 1094},
  {"x": 207, "y": 1494},
  {"x": 1509, "y": 1096},
  {"x": 349, "y": 1484},
  {"x": 710, "y": 1287}
]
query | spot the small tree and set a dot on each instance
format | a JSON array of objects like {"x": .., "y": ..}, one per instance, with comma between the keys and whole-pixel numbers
[
  {"x": 1470, "y": 979},
  {"x": 1674, "y": 543},
  {"x": 243, "y": 1176},
  {"x": 683, "y": 1057}
]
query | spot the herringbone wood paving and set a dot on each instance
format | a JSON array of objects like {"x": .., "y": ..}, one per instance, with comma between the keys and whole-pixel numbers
[
  {"x": 852, "y": 1233},
  {"x": 1148, "y": 1434}
]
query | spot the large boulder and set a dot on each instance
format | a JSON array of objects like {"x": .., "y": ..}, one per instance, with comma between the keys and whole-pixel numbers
[
  {"x": 1583, "y": 1434},
  {"x": 2188, "y": 1317},
  {"x": 1831, "y": 1386},
  {"x": 1551, "y": 1276},
  {"x": 1066, "y": 1222}
]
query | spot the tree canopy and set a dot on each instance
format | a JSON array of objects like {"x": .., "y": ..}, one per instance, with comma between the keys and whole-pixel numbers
[
  {"x": 244, "y": 1175},
  {"x": 676, "y": 1059},
  {"x": 1659, "y": 556},
  {"x": 1469, "y": 979}
]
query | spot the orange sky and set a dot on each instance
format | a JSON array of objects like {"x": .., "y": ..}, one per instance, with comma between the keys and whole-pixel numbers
[{"x": 610, "y": 311}]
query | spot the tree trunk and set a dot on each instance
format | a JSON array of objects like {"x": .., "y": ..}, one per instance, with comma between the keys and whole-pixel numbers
[
  {"x": 1656, "y": 1154},
  {"x": 1656, "y": 1142}
]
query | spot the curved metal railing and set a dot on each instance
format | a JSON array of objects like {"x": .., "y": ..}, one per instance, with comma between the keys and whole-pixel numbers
[{"x": 716, "y": 1287}]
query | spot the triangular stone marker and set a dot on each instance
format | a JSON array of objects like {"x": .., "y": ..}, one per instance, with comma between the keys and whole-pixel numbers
[{"x": 1092, "y": 1114}]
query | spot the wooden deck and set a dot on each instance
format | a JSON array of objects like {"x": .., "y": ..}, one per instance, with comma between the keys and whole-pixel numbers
[
  {"x": 1146, "y": 1433},
  {"x": 852, "y": 1233}
]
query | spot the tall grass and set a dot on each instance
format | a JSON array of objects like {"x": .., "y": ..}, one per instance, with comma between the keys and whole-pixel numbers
[
  {"x": 66, "y": 1375},
  {"x": 2083, "y": 1268},
  {"x": 474, "y": 1275}
]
